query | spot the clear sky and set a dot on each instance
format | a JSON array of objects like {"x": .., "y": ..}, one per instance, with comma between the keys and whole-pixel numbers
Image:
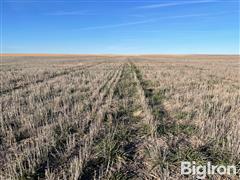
[{"x": 120, "y": 27}]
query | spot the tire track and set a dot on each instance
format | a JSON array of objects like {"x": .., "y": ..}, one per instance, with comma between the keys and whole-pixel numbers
[
  {"x": 115, "y": 154},
  {"x": 154, "y": 145}
]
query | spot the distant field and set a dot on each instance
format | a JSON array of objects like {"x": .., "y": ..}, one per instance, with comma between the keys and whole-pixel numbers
[{"x": 117, "y": 117}]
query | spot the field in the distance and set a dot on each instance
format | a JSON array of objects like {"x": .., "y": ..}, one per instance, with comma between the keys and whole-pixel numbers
[{"x": 117, "y": 117}]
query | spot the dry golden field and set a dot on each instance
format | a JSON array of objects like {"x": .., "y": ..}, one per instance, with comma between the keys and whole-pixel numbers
[{"x": 117, "y": 117}]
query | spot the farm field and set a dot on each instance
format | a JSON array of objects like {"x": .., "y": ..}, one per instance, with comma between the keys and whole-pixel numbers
[{"x": 117, "y": 117}]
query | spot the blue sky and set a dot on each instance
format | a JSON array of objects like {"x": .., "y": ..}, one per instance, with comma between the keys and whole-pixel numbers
[{"x": 120, "y": 27}]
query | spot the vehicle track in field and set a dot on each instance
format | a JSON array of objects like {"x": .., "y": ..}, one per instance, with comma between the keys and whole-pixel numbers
[
  {"x": 131, "y": 136},
  {"x": 161, "y": 124},
  {"x": 117, "y": 151}
]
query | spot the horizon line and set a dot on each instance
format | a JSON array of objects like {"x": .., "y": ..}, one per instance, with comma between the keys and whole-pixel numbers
[{"x": 115, "y": 54}]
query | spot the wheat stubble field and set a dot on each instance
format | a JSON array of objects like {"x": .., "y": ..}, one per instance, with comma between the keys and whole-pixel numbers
[{"x": 117, "y": 117}]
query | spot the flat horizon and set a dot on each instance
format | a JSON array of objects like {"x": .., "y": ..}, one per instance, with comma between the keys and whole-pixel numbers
[{"x": 153, "y": 54}]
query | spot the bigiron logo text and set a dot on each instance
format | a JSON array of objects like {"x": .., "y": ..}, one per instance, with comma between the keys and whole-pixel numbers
[{"x": 202, "y": 171}]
